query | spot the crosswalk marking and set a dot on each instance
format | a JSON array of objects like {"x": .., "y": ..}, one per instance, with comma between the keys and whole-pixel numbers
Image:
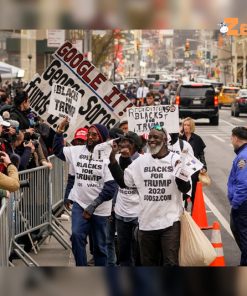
[
  {"x": 226, "y": 122},
  {"x": 238, "y": 120}
]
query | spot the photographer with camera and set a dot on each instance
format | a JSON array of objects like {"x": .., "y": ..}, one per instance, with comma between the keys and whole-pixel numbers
[
  {"x": 30, "y": 151},
  {"x": 9, "y": 181}
]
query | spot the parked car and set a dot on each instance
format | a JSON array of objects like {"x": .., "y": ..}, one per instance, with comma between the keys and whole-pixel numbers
[
  {"x": 240, "y": 103},
  {"x": 227, "y": 95},
  {"x": 198, "y": 100}
]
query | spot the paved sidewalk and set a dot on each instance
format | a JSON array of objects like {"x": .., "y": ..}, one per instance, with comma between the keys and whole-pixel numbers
[{"x": 52, "y": 253}]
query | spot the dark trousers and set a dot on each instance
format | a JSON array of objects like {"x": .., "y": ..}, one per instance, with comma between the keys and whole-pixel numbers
[
  {"x": 126, "y": 242},
  {"x": 238, "y": 225},
  {"x": 81, "y": 229},
  {"x": 156, "y": 243},
  {"x": 110, "y": 241}
]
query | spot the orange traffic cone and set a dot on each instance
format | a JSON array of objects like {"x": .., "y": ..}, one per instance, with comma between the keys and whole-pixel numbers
[
  {"x": 199, "y": 210},
  {"x": 218, "y": 246}
]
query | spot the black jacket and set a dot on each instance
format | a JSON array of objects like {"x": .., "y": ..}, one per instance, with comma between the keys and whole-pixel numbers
[{"x": 21, "y": 117}]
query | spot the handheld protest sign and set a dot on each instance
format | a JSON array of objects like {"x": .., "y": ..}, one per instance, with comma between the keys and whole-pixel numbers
[
  {"x": 142, "y": 119},
  {"x": 64, "y": 101},
  {"x": 101, "y": 101}
]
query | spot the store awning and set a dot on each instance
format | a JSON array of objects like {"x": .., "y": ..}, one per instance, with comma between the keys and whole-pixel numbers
[{"x": 9, "y": 71}]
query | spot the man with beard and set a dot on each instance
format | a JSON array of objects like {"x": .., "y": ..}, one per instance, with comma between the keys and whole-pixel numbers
[
  {"x": 92, "y": 180},
  {"x": 160, "y": 198}
]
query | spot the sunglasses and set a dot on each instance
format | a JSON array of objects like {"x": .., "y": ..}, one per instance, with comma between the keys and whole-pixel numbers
[{"x": 159, "y": 128}]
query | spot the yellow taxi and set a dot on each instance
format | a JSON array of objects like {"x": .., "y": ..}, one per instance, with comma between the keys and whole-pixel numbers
[{"x": 227, "y": 95}]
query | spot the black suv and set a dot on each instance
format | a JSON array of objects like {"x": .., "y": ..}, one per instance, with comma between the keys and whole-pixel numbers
[{"x": 198, "y": 100}]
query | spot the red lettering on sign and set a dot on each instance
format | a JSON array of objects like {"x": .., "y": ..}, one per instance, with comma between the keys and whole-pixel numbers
[
  {"x": 85, "y": 76},
  {"x": 64, "y": 49},
  {"x": 121, "y": 98},
  {"x": 83, "y": 67},
  {"x": 115, "y": 91},
  {"x": 97, "y": 81}
]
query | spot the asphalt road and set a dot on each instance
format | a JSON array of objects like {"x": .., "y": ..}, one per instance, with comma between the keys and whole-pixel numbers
[{"x": 219, "y": 156}]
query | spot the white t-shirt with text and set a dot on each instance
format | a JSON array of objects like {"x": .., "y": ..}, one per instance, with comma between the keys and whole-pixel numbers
[
  {"x": 160, "y": 199},
  {"x": 176, "y": 147},
  {"x": 90, "y": 176},
  {"x": 127, "y": 201}
]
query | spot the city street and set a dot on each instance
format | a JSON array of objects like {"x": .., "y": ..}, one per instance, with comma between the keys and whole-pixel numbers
[{"x": 219, "y": 156}]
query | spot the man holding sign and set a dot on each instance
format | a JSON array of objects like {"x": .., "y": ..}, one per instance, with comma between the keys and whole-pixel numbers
[{"x": 92, "y": 180}]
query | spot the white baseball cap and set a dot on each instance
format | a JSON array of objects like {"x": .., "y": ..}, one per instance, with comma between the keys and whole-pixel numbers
[{"x": 3, "y": 122}]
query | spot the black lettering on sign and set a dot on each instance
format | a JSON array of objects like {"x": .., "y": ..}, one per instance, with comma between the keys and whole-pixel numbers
[
  {"x": 33, "y": 86},
  {"x": 69, "y": 100},
  {"x": 94, "y": 111},
  {"x": 52, "y": 119},
  {"x": 50, "y": 72}
]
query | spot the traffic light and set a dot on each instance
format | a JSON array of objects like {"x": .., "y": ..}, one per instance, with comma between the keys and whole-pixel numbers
[{"x": 187, "y": 45}]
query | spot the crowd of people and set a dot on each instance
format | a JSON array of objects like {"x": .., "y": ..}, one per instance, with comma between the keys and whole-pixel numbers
[
  {"x": 133, "y": 194},
  {"x": 128, "y": 206},
  {"x": 140, "y": 93}
]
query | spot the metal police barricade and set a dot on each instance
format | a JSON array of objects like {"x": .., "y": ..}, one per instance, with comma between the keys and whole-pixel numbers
[
  {"x": 59, "y": 175},
  {"x": 4, "y": 234},
  {"x": 32, "y": 211}
]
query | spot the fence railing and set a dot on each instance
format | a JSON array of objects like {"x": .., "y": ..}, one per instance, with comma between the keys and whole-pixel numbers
[
  {"x": 4, "y": 234},
  {"x": 33, "y": 210}
]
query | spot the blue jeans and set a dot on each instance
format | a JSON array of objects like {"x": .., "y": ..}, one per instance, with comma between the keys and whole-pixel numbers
[
  {"x": 110, "y": 233},
  {"x": 80, "y": 230},
  {"x": 239, "y": 230}
]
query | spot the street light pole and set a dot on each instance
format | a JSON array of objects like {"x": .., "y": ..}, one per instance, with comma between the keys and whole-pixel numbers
[{"x": 30, "y": 59}]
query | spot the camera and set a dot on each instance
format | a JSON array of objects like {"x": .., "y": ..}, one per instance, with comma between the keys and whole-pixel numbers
[
  {"x": 6, "y": 135},
  {"x": 34, "y": 138}
]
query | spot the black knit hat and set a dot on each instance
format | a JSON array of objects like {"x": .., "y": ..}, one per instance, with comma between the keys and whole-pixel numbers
[{"x": 102, "y": 131}]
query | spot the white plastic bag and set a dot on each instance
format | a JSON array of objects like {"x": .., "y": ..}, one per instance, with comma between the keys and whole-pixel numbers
[{"x": 195, "y": 248}]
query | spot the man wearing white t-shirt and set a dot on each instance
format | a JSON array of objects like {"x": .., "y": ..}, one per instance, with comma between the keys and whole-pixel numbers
[
  {"x": 160, "y": 199},
  {"x": 92, "y": 180},
  {"x": 141, "y": 93},
  {"x": 127, "y": 203}
]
